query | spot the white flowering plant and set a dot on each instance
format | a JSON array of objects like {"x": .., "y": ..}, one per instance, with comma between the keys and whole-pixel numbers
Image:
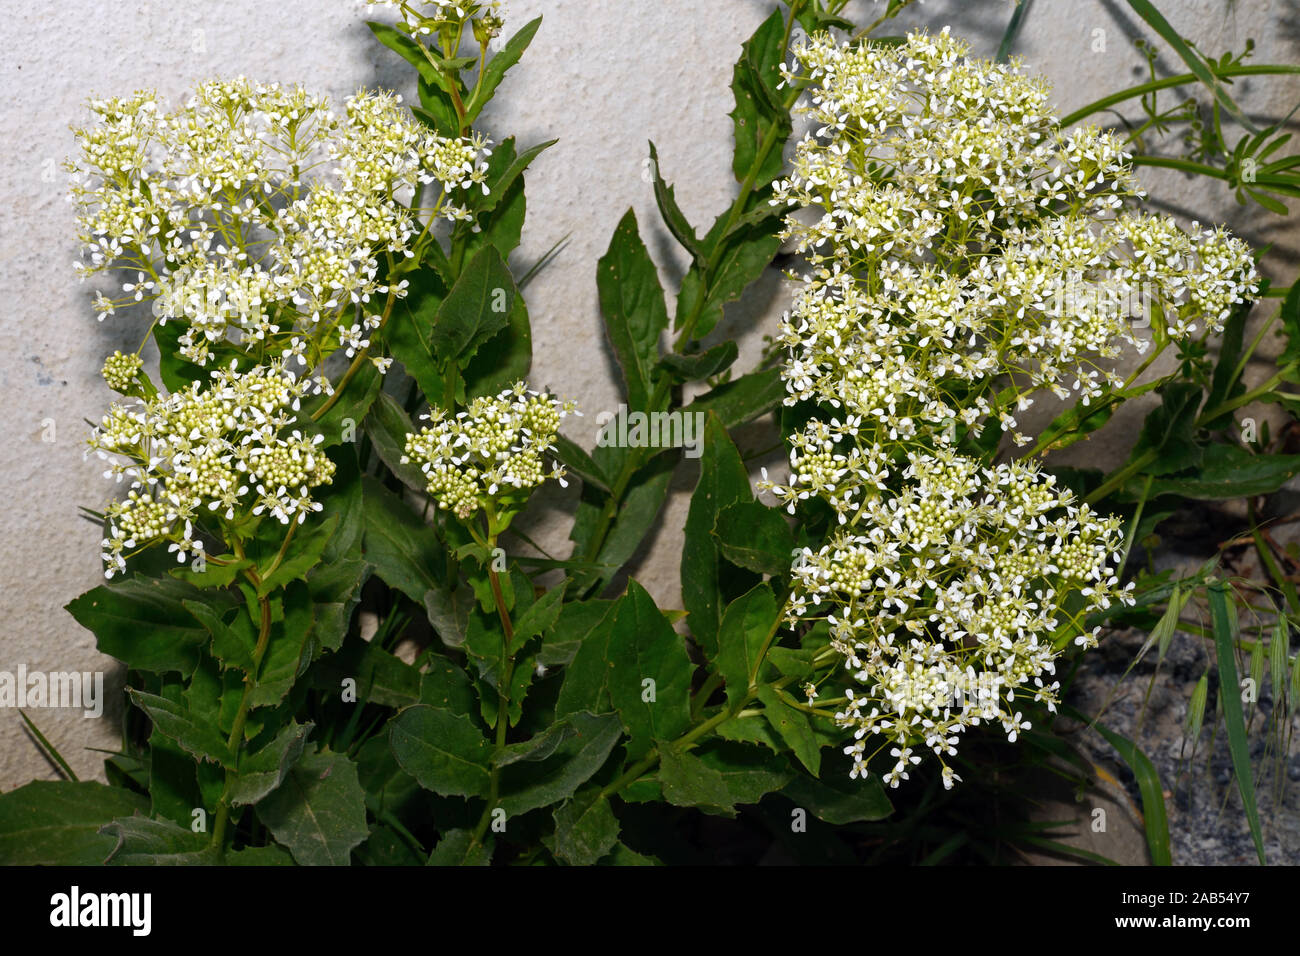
[{"x": 330, "y": 427}]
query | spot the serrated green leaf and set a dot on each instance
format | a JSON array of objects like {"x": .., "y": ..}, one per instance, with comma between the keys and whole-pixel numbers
[
  {"x": 551, "y": 768},
  {"x": 199, "y": 737},
  {"x": 585, "y": 829},
  {"x": 723, "y": 481},
  {"x": 445, "y": 752},
  {"x": 632, "y": 303},
  {"x": 495, "y": 70},
  {"x": 838, "y": 800},
  {"x": 143, "y": 622},
  {"x": 319, "y": 811},
  {"x": 649, "y": 674},
  {"x": 753, "y": 536},
  {"x": 264, "y": 770},
  {"x": 793, "y": 727},
  {"x": 57, "y": 822},
  {"x": 457, "y": 848},
  {"x": 746, "y": 626}
]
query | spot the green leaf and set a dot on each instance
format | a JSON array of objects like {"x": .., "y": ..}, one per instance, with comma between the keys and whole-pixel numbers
[
  {"x": 1233, "y": 718},
  {"x": 751, "y": 729},
  {"x": 145, "y": 842},
  {"x": 387, "y": 424},
  {"x": 496, "y": 68},
  {"x": 477, "y": 307},
  {"x": 688, "y": 781},
  {"x": 403, "y": 46},
  {"x": 380, "y": 677},
  {"x": 793, "y": 727},
  {"x": 503, "y": 359},
  {"x": 649, "y": 674},
  {"x": 632, "y": 302},
  {"x": 748, "y": 773},
  {"x": 723, "y": 481},
  {"x": 585, "y": 829},
  {"x": 1153, "y": 800},
  {"x": 501, "y": 185},
  {"x": 319, "y": 811},
  {"x": 838, "y": 800},
  {"x": 1290, "y": 315},
  {"x": 753, "y": 536},
  {"x": 213, "y": 575},
  {"x": 199, "y": 737},
  {"x": 577, "y": 620},
  {"x": 403, "y": 549},
  {"x": 446, "y": 686},
  {"x": 1229, "y": 471},
  {"x": 263, "y": 771},
  {"x": 745, "y": 253},
  {"x": 742, "y": 400},
  {"x": 445, "y": 752},
  {"x": 551, "y": 767},
  {"x": 289, "y": 648},
  {"x": 761, "y": 123},
  {"x": 1170, "y": 430},
  {"x": 457, "y": 848},
  {"x": 746, "y": 626},
  {"x": 57, "y": 822},
  {"x": 700, "y": 365},
  {"x": 143, "y": 622},
  {"x": 540, "y": 616},
  {"x": 672, "y": 213},
  {"x": 637, "y": 514},
  {"x": 408, "y": 332},
  {"x": 586, "y": 678}
]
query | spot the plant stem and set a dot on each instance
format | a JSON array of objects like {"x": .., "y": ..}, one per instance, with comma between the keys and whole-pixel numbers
[
  {"x": 504, "y": 674},
  {"x": 1181, "y": 79},
  {"x": 236, "y": 740}
]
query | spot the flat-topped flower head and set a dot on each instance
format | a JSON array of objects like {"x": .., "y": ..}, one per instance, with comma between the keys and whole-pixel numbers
[
  {"x": 213, "y": 455},
  {"x": 965, "y": 254},
  {"x": 492, "y": 454},
  {"x": 255, "y": 214}
]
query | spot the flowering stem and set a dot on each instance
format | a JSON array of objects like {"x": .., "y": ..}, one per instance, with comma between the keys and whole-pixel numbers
[
  {"x": 356, "y": 362},
  {"x": 284, "y": 548}
]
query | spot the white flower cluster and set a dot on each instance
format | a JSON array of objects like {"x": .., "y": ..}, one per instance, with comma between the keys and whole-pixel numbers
[
  {"x": 255, "y": 215},
  {"x": 484, "y": 455},
  {"x": 945, "y": 215},
  {"x": 958, "y": 236},
  {"x": 195, "y": 455}
]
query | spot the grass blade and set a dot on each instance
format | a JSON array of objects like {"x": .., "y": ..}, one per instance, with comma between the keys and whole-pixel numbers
[
  {"x": 1277, "y": 660},
  {"x": 49, "y": 748},
  {"x": 1154, "y": 817},
  {"x": 1233, "y": 719}
]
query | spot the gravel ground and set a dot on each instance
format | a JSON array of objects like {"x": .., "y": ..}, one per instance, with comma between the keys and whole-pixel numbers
[{"x": 1206, "y": 821}]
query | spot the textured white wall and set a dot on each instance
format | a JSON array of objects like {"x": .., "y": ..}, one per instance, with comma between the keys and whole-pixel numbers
[{"x": 603, "y": 77}]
